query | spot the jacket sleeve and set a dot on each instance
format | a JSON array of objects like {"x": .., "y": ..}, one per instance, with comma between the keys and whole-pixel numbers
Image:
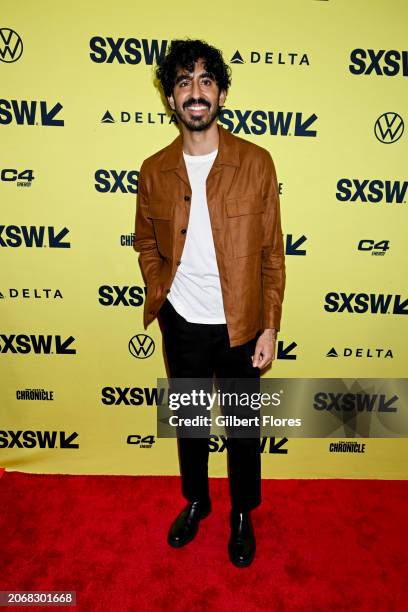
[
  {"x": 145, "y": 240},
  {"x": 273, "y": 252}
]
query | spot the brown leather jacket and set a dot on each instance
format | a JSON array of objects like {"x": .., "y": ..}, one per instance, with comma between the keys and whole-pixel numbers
[{"x": 243, "y": 203}]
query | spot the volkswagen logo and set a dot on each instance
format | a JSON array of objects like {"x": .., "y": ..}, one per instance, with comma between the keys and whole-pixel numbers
[
  {"x": 11, "y": 45},
  {"x": 141, "y": 346},
  {"x": 389, "y": 128}
]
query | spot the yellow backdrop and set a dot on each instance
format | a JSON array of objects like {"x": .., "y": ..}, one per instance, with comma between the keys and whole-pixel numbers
[{"x": 323, "y": 86}]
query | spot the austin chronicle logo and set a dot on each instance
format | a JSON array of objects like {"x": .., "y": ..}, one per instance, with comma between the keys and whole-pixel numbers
[
  {"x": 11, "y": 45},
  {"x": 141, "y": 346},
  {"x": 389, "y": 128}
]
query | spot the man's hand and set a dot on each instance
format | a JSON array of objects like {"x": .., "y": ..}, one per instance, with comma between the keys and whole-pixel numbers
[{"x": 265, "y": 349}]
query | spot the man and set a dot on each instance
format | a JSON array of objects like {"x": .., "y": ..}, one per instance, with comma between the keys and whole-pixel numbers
[{"x": 209, "y": 234}]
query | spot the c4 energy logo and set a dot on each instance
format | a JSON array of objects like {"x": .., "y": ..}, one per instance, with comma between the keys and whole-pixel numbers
[
  {"x": 389, "y": 128},
  {"x": 127, "y": 50},
  {"x": 371, "y": 190},
  {"x": 30, "y": 112},
  {"x": 362, "y": 303},
  {"x": 274, "y": 123},
  {"x": 379, "y": 63},
  {"x": 112, "y": 181},
  {"x": 38, "y": 344},
  {"x": 20, "y": 178},
  {"x": 30, "y": 236},
  {"x": 11, "y": 46},
  {"x": 141, "y": 346}
]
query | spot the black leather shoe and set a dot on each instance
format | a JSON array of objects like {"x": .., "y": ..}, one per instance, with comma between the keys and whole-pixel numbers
[
  {"x": 184, "y": 528},
  {"x": 242, "y": 545}
]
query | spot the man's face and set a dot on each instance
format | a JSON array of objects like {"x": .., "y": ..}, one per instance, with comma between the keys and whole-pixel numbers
[{"x": 196, "y": 98}]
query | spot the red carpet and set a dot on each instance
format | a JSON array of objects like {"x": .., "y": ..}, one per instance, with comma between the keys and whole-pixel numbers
[{"x": 321, "y": 545}]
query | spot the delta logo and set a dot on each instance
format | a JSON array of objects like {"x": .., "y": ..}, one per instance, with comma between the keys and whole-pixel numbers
[{"x": 280, "y": 58}]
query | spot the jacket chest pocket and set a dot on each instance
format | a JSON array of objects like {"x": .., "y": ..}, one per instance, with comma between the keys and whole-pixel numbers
[
  {"x": 161, "y": 214},
  {"x": 245, "y": 218}
]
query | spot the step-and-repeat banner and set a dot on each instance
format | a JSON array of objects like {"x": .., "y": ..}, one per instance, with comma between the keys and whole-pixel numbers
[{"x": 323, "y": 86}]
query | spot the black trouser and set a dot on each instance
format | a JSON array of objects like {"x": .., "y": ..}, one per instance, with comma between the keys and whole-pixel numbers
[{"x": 196, "y": 350}]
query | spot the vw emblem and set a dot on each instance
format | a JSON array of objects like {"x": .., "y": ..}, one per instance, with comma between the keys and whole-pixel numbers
[
  {"x": 141, "y": 346},
  {"x": 389, "y": 128},
  {"x": 11, "y": 45}
]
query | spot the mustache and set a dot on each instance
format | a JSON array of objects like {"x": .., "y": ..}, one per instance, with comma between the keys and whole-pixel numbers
[{"x": 193, "y": 101}]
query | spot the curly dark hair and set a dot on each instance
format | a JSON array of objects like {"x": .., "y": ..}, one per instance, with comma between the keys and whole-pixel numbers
[{"x": 183, "y": 53}]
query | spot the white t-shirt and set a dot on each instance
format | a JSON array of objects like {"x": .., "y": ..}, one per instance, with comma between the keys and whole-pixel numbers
[{"x": 196, "y": 290}]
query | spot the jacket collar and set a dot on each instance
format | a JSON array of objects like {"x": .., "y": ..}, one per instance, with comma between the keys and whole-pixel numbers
[{"x": 227, "y": 152}]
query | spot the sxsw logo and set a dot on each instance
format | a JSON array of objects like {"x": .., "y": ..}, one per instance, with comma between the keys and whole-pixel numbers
[
  {"x": 112, "y": 181},
  {"x": 356, "y": 402},
  {"x": 37, "y": 344},
  {"x": 121, "y": 295},
  {"x": 30, "y": 112},
  {"x": 380, "y": 63},
  {"x": 127, "y": 50},
  {"x": 11, "y": 46},
  {"x": 371, "y": 190},
  {"x": 40, "y": 439},
  {"x": 132, "y": 396},
  {"x": 293, "y": 245},
  {"x": 360, "y": 303},
  {"x": 219, "y": 444},
  {"x": 32, "y": 236},
  {"x": 259, "y": 122}
]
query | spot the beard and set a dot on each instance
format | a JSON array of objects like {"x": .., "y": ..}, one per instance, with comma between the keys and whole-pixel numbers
[{"x": 200, "y": 122}]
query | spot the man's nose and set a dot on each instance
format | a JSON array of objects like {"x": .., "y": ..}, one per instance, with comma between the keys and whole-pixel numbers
[{"x": 196, "y": 91}]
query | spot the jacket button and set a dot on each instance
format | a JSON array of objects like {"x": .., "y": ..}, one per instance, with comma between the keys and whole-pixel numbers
[
  {"x": 152, "y": 312},
  {"x": 167, "y": 290},
  {"x": 178, "y": 263},
  {"x": 187, "y": 198},
  {"x": 183, "y": 231}
]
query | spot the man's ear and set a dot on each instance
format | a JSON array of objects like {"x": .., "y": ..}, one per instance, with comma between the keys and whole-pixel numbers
[
  {"x": 170, "y": 100},
  {"x": 222, "y": 97}
]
